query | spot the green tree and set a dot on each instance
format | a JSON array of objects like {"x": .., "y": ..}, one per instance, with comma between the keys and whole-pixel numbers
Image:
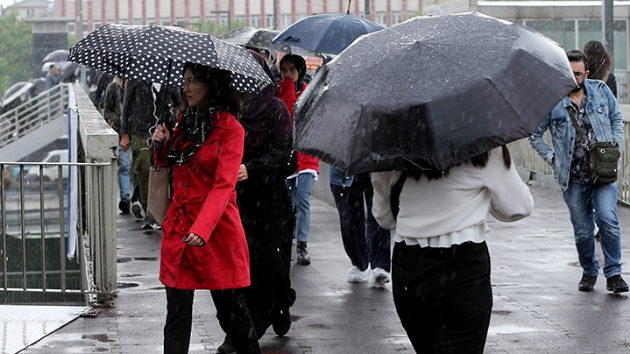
[
  {"x": 16, "y": 50},
  {"x": 211, "y": 27}
]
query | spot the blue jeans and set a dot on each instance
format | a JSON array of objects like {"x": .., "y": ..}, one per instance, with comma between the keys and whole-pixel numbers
[
  {"x": 300, "y": 194},
  {"x": 124, "y": 164},
  {"x": 582, "y": 199},
  {"x": 365, "y": 242}
]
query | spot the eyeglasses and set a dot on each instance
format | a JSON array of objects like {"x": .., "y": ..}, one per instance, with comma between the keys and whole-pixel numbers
[{"x": 578, "y": 73}]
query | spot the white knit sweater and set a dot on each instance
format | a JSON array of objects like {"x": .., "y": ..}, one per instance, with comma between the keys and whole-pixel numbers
[{"x": 452, "y": 210}]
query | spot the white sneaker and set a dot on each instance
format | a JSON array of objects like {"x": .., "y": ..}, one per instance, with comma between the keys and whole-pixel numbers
[
  {"x": 356, "y": 275},
  {"x": 380, "y": 277}
]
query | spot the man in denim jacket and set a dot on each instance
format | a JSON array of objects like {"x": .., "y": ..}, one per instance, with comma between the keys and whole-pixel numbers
[{"x": 600, "y": 120}]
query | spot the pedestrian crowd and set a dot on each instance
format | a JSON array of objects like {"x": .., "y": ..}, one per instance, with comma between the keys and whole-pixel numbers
[{"x": 241, "y": 196}]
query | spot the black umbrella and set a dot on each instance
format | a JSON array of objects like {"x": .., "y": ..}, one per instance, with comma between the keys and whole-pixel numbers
[
  {"x": 326, "y": 33},
  {"x": 59, "y": 55},
  {"x": 260, "y": 39},
  {"x": 158, "y": 54},
  {"x": 429, "y": 93},
  {"x": 250, "y": 37}
]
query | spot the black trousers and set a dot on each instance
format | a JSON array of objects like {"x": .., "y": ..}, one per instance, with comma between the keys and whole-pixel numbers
[
  {"x": 443, "y": 296},
  {"x": 232, "y": 314},
  {"x": 366, "y": 243}
]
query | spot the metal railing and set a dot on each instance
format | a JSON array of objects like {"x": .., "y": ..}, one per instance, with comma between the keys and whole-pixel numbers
[
  {"x": 59, "y": 229},
  {"x": 44, "y": 256},
  {"x": 33, "y": 113}
]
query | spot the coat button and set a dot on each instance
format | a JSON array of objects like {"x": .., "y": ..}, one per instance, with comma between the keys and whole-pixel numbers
[{"x": 185, "y": 185}]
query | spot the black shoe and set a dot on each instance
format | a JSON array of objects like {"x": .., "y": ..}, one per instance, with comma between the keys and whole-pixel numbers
[
  {"x": 226, "y": 347},
  {"x": 587, "y": 283},
  {"x": 282, "y": 323},
  {"x": 125, "y": 206},
  {"x": 149, "y": 224},
  {"x": 616, "y": 284},
  {"x": 302, "y": 255}
]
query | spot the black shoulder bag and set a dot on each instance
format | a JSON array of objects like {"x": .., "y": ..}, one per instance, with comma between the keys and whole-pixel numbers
[{"x": 603, "y": 157}]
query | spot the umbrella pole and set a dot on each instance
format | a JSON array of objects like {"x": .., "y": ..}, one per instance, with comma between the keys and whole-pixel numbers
[{"x": 349, "y": 1}]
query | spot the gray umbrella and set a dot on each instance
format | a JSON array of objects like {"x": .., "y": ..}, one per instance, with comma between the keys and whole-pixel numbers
[
  {"x": 429, "y": 93},
  {"x": 158, "y": 53}
]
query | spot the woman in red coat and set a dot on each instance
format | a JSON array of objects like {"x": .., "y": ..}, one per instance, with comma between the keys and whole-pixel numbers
[{"x": 203, "y": 242}]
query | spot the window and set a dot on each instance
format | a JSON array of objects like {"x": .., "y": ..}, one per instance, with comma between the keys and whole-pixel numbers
[
  {"x": 255, "y": 21},
  {"x": 285, "y": 20}
]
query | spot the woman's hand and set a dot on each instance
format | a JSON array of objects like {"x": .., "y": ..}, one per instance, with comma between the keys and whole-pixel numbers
[
  {"x": 194, "y": 240},
  {"x": 242, "y": 174},
  {"x": 161, "y": 134}
]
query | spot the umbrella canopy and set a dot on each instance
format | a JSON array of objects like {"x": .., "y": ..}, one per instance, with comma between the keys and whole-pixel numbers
[
  {"x": 16, "y": 90},
  {"x": 250, "y": 37},
  {"x": 158, "y": 54},
  {"x": 59, "y": 55},
  {"x": 326, "y": 33},
  {"x": 260, "y": 39},
  {"x": 430, "y": 93}
]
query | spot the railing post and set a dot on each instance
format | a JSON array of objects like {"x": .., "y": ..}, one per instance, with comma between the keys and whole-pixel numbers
[{"x": 99, "y": 143}]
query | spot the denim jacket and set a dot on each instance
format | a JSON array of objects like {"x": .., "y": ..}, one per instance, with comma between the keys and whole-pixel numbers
[
  {"x": 606, "y": 118},
  {"x": 337, "y": 179}
]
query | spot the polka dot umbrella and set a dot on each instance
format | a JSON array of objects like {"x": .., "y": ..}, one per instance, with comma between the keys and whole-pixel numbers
[{"x": 158, "y": 54}]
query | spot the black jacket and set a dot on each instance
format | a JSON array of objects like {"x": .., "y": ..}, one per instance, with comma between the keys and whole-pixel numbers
[{"x": 140, "y": 112}]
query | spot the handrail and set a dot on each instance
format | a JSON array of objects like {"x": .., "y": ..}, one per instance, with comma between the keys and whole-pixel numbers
[{"x": 33, "y": 113}]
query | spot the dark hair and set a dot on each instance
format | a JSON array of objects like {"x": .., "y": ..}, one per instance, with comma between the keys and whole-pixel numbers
[
  {"x": 298, "y": 62},
  {"x": 577, "y": 56},
  {"x": 221, "y": 95},
  {"x": 600, "y": 61},
  {"x": 480, "y": 161}
]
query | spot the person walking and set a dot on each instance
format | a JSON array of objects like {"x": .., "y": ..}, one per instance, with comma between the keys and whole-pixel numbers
[
  {"x": 440, "y": 264},
  {"x": 53, "y": 77},
  {"x": 111, "y": 111},
  {"x": 265, "y": 207},
  {"x": 203, "y": 241},
  {"x": 593, "y": 109},
  {"x": 366, "y": 243},
  {"x": 600, "y": 64},
  {"x": 144, "y": 105},
  {"x": 300, "y": 182}
]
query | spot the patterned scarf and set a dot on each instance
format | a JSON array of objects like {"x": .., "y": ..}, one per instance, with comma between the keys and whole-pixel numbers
[{"x": 189, "y": 134}]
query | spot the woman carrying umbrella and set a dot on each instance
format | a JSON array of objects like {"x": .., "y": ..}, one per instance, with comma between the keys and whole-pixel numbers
[
  {"x": 300, "y": 182},
  {"x": 440, "y": 264},
  {"x": 203, "y": 241}
]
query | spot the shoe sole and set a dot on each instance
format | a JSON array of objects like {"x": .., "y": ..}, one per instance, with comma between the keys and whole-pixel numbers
[
  {"x": 617, "y": 291},
  {"x": 303, "y": 261},
  {"x": 136, "y": 211}
]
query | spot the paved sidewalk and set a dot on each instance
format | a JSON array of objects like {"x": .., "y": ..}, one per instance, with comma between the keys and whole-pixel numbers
[{"x": 537, "y": 308}]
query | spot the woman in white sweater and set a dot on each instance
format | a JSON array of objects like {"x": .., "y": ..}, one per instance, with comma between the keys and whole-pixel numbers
[{"x": 440, "y": 263}]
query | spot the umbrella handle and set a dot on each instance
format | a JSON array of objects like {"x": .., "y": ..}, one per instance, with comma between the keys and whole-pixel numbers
[{"x": 349, "y": 1}]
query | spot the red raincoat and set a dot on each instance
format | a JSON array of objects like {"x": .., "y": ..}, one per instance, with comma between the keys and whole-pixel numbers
[{"x": 204, "y": 202}]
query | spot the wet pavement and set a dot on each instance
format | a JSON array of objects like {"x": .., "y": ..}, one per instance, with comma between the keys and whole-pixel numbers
[{"x": 537, "y": 307}]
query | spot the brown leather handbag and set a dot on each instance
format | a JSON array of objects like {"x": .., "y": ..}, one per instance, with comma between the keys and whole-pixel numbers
[{"x": 160, "y": 188}]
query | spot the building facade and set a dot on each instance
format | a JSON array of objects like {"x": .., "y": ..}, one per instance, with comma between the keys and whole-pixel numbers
[{"x": 277, "y": 14}]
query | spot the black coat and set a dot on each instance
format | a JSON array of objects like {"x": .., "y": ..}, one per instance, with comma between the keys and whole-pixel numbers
[{"x": 265, "y": 208}]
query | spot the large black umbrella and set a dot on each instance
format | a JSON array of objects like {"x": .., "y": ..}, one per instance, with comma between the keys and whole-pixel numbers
[
  {"x": 260, "y": 38},
  {"x": 158, "y": 54},
  {"x": 326, "y": 33},
  {"x": 429, "y": 93},
  {"x": 59, "y": 55}
]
